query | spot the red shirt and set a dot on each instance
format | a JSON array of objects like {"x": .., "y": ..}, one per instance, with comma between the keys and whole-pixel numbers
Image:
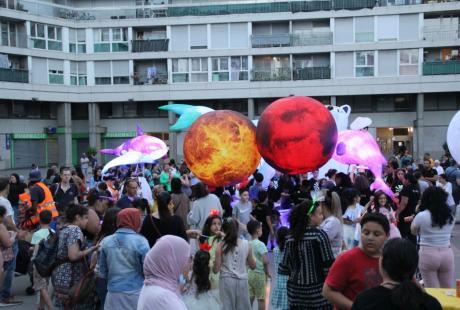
[{"x": 353, "y": 272}]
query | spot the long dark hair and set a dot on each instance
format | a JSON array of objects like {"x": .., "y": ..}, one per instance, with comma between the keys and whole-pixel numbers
[
  {"x": 399, "y": 261},
  {"x": 176, "y": 186},
  {"x": 201, "y": 271},
  {"x": 377, "y": 204},
  {"x": 281, "y": 236},
  {"x": 434, "y": 199},
  {"x": 230, "y": 228},
  {"x": 208, "y": 223},
  {"x": 164, "y": 198},
  {"x": 109, "y": 223},
  {"x": 199, "y": 190},
  {"x": 299, "y": 219}
]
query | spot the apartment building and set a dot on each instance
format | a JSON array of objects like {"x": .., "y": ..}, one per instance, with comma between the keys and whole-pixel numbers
[{"x": 76, "y": 74}]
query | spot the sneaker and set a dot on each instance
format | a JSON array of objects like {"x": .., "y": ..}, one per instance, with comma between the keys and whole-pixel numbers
[{"x": 10, "y": 302}]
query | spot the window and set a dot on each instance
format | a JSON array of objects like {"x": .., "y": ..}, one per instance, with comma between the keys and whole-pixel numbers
[
  {"x": 110, "y": 40},
  {"x": 408, "y": 62},
  {"x": 119, "y": 39},
  {"x": 364, "y": 29},
  {"x": 239, "y": 65},
  {"x": 120, "y": 71},
  {"x": 77, "y": 41},
  {"x": 199, "y": 72},
  {"x": 102, "y": 73},
  {"x": 78, "y": 73},
  {"x": 101, "y": 40},
  {"x": 37, "y": 34},
  {"x": 364, "y": 63},
  {"x": 46, "y": 36},
  {"x": 55, "y": 71},
  {"x": 54, "y": 38},
  {"x": 220, "y": 69},
  {"x": 180, "y": 70}
]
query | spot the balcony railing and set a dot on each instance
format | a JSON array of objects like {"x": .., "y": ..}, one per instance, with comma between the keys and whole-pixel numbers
[
  {"x": 159, "y": 45},
  {"x": 144, "y": 79},
  {"x": 286, "y": 39},
  {"x": 313, "y": 73},
  {"x": 441, "y": 67},
  {"x": 271, "y": 40},
  {"x": 280, "y": 74},
  {"x": 440, "y": 35},
  {"x": 14, "y": 75},
  {"x": 160, "y": 10}
]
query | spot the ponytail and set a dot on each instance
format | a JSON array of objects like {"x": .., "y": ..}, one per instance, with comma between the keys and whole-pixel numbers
[{"x": 407, "y": 295}]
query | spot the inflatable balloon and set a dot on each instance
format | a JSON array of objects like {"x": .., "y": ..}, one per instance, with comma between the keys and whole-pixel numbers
[
  {"x": 453, "y": 135},
  {"x": 141, "y": 149},
  {"x": 188, "y": 114},
  {"x": 296, "y": 135},
  {"x": 360, "y": 148},
  {"x": 220, "y": 148}
]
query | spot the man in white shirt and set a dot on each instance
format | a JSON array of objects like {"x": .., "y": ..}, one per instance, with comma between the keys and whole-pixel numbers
[{"x": 84, "y": 163}]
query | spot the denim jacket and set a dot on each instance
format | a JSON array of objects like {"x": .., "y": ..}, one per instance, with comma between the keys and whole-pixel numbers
[{"x": 121, "y": 261}]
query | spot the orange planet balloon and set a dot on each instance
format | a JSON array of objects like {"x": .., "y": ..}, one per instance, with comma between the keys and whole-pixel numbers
[{"x": 220, "y": 148}]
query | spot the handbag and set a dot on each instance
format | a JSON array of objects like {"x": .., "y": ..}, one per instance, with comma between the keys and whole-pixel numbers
[{"x": 83, "y": 289}]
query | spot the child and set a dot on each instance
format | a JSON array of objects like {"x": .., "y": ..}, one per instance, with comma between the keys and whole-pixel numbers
[
  {"x": 41, "y": 284},
  {"x": 200, "y": 294},
  {"x": 232, "y": 255},
  {"x": 279, "y": 297},
  {"x": 212, "y": 236},
  {"x": 307, "y": 258},
  {"x": 257, "y": 278},
  {"x": 242, "y": 213},
  {"x": 382, "y": 206},
  {"x": 351, "y": 217}
]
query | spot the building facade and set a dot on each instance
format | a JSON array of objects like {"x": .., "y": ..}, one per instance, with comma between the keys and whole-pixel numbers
[{"x": 80, "y": 74}]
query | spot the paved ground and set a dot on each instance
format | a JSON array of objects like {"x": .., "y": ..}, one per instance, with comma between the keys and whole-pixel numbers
[{"x": 20, "y": 283}]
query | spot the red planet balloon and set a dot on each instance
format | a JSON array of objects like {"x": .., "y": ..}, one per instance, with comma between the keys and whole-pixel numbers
[{"x": 296, "y": 135}]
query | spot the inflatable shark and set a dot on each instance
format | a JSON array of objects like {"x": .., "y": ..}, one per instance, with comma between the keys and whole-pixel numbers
[
  {"x": 356, "y": 147},
  {"x": 140, "y": 149},
  {"x": 188, "y": 114}
]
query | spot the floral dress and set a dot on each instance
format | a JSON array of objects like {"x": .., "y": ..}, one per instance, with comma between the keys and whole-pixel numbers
[
  {"x": 279, "y": 298},
  {"x": 65, "y": 275}
]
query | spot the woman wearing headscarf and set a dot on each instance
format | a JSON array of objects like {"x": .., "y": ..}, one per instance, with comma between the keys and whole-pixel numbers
[
  {"x": 121, "y": 261},
  {"x": 163, "y": 265}
]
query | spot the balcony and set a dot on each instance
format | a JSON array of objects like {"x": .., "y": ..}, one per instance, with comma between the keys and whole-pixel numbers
[
  {"x": 286, "y": 39},
  {"x": 312, "y": 73},
  {"x": 441, "y": 67},
  {"x": 159, "y": 45},
  {"x": 280, "y": 74},
  {"x": 271, "y": 40},
  {"x": 440, "y": 35},
  {"x": 141, "y": 78},
  {"x": 14, "y": 75},
  {"x": 312, "y": 38}
]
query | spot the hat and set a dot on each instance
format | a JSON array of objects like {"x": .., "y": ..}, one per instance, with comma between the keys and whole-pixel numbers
[{"x": 35, "y": 176}]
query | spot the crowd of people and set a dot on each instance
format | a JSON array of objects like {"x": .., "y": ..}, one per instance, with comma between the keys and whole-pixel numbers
[{"x": 154, "y": 237}]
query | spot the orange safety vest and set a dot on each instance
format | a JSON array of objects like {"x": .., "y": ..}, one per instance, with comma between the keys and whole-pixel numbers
[
  {"x": 46, "y": 204},
  {"x": 24, "y": 200}
]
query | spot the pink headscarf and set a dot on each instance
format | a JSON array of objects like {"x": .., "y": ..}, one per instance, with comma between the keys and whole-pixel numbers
[{"x": 165, "y": 261}]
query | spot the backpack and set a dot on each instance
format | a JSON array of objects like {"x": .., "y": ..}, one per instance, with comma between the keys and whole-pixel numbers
[{"x": 46, "y": 258}]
